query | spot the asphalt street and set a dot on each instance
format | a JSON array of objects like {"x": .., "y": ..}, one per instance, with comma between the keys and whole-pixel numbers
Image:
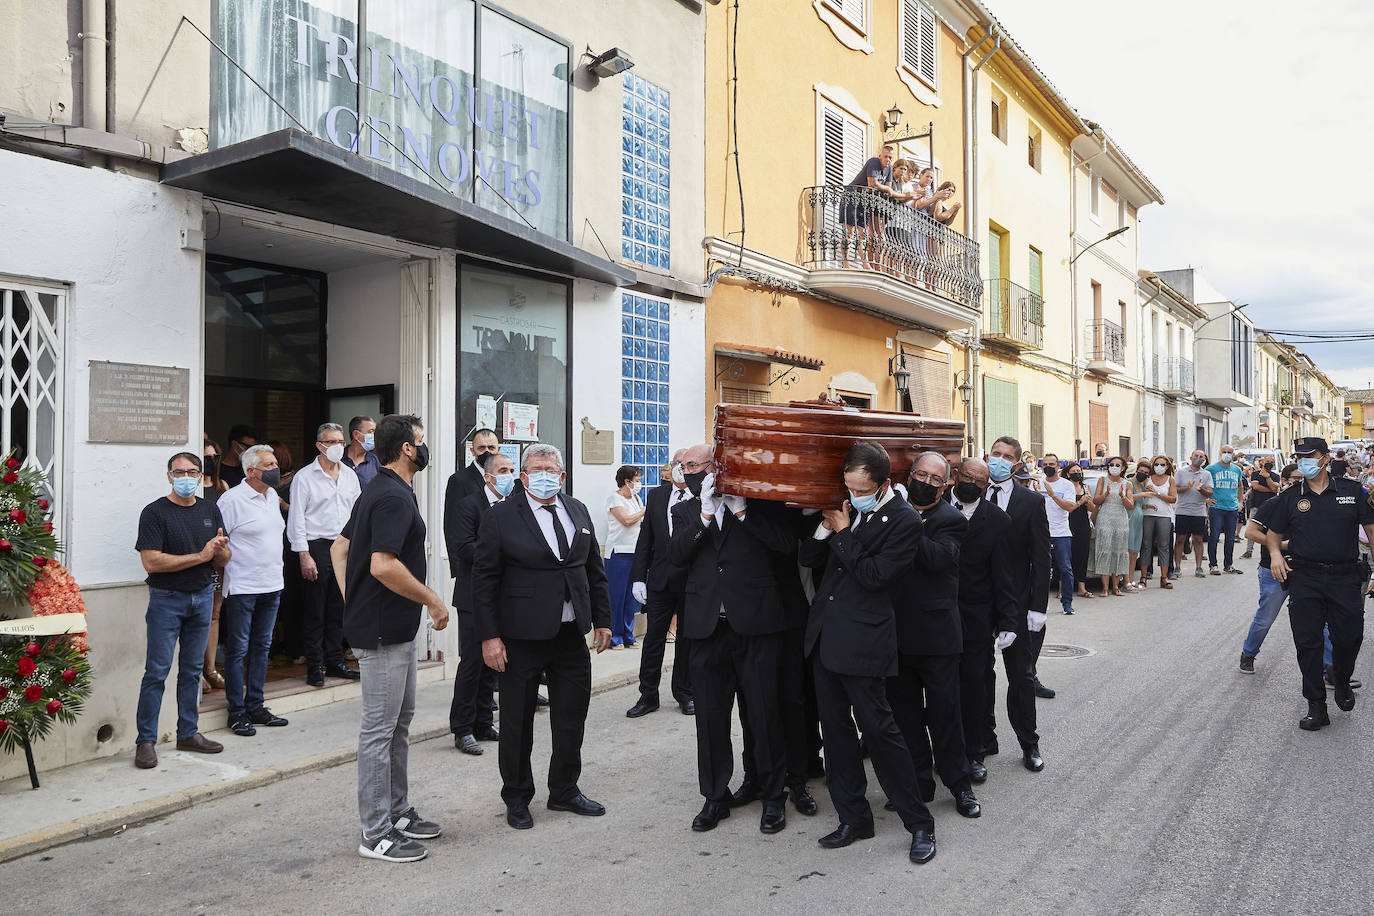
[{"x": 1173, "y": 784}]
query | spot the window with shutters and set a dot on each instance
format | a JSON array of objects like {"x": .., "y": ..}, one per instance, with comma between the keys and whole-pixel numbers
[
  {"x": 999, "y": 409},
  {"x": 1123, "y": 446},
  {"x": 854, "y": 11},
  {"x": 929, "y": 390},
  {"x": 1034, "y": 137},
  {"x": 1097, "y": 427},
  {"x": 843, "y": 145},
  {"x": 31, "y": 374},
  {"x": 1035, "y": 278},
  {"x": 998, "y": 115},
  {"x": 919, "y": 42},
  {"x": 1037, "y": 428},
  {"x": 739, "y": 394}
]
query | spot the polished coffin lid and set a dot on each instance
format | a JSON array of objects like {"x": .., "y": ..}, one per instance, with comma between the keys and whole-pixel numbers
[{"x": 795, "y": 453}]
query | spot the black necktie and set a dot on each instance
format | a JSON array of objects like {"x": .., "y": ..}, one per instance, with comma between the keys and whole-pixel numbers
[
  {"x": 559, "y": 534},
  {"x": 995, "y": 493}
]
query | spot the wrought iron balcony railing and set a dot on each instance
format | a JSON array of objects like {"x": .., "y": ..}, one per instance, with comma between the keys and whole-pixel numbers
[
  {"x": 1178, "y": 374},
  {"x": 1015, "y": 316},
  {"x": 864, "y": 229},
  {"x": 1104, "y": 341}
]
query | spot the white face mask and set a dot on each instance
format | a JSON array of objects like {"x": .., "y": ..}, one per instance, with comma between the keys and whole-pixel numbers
[
  {"x": 1161, "y": 468},
  {"x": 334, "y": 452}
]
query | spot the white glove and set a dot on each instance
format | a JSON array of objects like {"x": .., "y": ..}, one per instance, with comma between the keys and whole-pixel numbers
[
  {"x": 735, "y": 504},
  {"x": 1004, "y": 639},
  {"x": 710, "y": 502},
  {"x": 640, "y": 592},
  {"x": 1035, "y": 621}
]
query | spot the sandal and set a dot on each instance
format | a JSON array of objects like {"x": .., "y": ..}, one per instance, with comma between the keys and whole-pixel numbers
[
  {"x": 1165, "y": 583},
  {"x": 672, "y": 637},
  {"x": 215, "y": 679},
  {"x": 1084, "y": 595}
]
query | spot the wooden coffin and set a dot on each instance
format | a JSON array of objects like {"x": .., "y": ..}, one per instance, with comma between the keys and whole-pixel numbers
[{"x": 795, "y": 453}]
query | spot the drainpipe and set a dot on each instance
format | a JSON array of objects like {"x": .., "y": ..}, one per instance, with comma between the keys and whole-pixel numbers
[
  {"x": 94, "y": 46},
  {"x": 970, "y": 87},
  {"x": 1073, "y": 278}
]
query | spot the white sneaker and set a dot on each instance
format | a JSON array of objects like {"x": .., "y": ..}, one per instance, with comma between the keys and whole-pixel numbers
[
  {"x": 415, "y": 827},
  {"x": 394, "y": 847}
]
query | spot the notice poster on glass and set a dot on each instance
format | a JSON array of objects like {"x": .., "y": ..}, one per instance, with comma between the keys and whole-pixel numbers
[
  {"x": 512, "y": 451},
  {"x": 520, "y": 422},
  {"x": 486, "y": 412}
]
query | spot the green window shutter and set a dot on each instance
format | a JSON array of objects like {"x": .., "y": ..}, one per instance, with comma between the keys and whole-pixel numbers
[{"x": 999, "y": 409}]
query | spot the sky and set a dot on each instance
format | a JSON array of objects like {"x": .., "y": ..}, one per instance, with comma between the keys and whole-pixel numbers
[{"x": 1256, "y": 121}]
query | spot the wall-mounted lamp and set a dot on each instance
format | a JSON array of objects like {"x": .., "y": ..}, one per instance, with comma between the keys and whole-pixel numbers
[
  {"x": 892, "y": 118},
  {"x": 901, "y": 376},
  {"x": 609, "y": 63},
  {"x": 965, "y": 388},
  {"x": 1099, "y": 389}
]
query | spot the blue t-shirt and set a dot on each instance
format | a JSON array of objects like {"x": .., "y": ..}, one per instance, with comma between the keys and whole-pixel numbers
[
  {"x": 874, "y": 169},
  {"x": 1226, "y": 484}
]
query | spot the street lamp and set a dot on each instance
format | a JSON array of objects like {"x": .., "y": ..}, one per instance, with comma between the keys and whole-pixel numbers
[
  {"x": 892, "y": 118},
  {"x": 901, "y": 376},
  {"x": 1110, "y": 235}
]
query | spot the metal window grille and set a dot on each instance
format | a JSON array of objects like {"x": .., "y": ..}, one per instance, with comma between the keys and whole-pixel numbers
[{"x": 31, "y": 335}]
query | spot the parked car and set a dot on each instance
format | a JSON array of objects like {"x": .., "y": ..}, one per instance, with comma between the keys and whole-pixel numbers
[{"x": 1252, "y": 456}]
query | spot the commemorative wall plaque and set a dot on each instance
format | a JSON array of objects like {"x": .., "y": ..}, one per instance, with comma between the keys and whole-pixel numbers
[{"x": 146, "y": 405}]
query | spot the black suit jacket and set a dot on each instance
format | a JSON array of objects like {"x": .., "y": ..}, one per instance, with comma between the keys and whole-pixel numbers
[
  {"x": 1028, "y": 552},
  {"x": 651, "y": 563},
  {"x": 929, "y": 623},
  {"x": 518, "y": 583},
  {"x": 461, "y": 541},
  {"x": 852, "y": 623},
  {"x": 987, "y": 599},
  {"x": 733, "y": 566}
]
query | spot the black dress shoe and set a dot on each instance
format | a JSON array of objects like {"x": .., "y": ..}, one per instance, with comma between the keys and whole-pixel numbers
[
  {"x": 967, "y": 804},
  {"x": 1344, "y": 696},
  {"x": 1316, "y": 716},
  {"x": 642, "y": 708},
  {"x": 774, "y": 818},
  {"x": 977, "y": 772},
  {"x": 315, "y": 677},
  {"x": 486, "y": 733},
  {"x": 712, "y": 813},
  {"x": 922, "y": 846},
  {"x": 747, "y": 793},
  {"x": 578, "y": 804},
  {"x": 541, "y": 701},
  {"x": 1033, "y": 761},
  {"x": 343, "y": 671},
  {"x": 518, "y": 816},
  {"x": 844, "y": 835},
  {"x": 802, "y": 800},
  {"x": 1043, "y": 692},
  {"x": 265, "y": 716},
  {"x": 467, "y": 744},
  {"x": 688, "y": 707}
]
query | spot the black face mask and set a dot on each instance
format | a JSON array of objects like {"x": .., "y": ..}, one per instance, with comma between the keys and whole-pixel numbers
[
  {"x": 1076, "y": 478},
  {"x": 211, "y": 463},
  {"x": 694, "y": 480},
  {"x": 922, "y": 493},
  {"x": 1141, "y": 475},
  {"x": 1051, "y": 470},
  {"x": 967, "y": 492},
  {"x": 421, "y": 459},
  {"x": 271, "y": 478}
]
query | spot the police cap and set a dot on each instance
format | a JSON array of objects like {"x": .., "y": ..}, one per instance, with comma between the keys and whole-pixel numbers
[{"x": 1309, "y": 445}]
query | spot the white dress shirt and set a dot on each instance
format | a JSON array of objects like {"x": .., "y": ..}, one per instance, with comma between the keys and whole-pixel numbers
[
  {"x": 320, "y": 505},
  {"x": 545, "y": 520},
  {"x": 1001, "y": 499},
  {"x": 253, "y": 522},
  {"x": 678, "y": 495},
  {"x": 823, "y": 532},
  {"x": 967, "y": 508}
]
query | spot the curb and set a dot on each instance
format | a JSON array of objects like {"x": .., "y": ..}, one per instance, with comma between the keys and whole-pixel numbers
[{"x": 150, "y": 809}]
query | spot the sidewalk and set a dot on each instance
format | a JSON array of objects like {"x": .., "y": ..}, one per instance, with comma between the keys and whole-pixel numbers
[{"x": 103, "y": 796}]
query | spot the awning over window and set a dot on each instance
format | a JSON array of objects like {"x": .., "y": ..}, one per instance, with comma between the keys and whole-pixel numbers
[
  {"x": 768, "y": 355},
  {"x": 290, "y": 171}
]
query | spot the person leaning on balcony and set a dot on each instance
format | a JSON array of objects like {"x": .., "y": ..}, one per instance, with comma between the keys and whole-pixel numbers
[
  {"x": 877, "y": 175},
  {"x": 941, "y": 212}
]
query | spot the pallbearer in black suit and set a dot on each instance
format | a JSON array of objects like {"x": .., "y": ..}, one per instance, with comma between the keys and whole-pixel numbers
[
  {"x": 866, "y": 548},
  {"x": 930, "y": 637},
  {"x": 734, "y": 617},
  {"x": 469, "y": 480},
  {"x": 1027, "y": 550},
  {"x": 657, "y": 584},
  {"x": 538, "y": 588},
  {"x": 469, "y": 715},
  {"x": 988, "y": 606}
]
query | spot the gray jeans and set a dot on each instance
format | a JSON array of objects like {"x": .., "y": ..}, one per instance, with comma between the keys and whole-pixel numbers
[{"x": 388, "y": 681}]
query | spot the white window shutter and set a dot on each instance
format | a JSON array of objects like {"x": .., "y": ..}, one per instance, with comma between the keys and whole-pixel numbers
[
  {"x": 929, "y": 37},
  {"x": 843, "y": 150},
  {"x": 920, "y": 36},
  {"x": 855, "y": 147}
]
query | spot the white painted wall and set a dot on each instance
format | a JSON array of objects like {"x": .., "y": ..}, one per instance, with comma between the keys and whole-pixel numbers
[{"x": 364, "y": 334}]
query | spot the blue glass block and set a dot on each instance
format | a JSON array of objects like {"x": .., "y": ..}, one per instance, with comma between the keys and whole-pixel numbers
[
  {"x": 627, "y": 207},
  {"x": 651, "y": 475},
  {"x": 652, "y": 393},
  {"x": 639, "y": 231},
  {"x": 663, "y": 258},
  {"x": 627, "y": 390},
  {"x": 627, "y": 454},
  {"x": 663, "y": 347},
  {"x": 638, "y": 148},
  {"x": 636, "y": 167},
  {"x": 627, "y": 368},
  {"x": 650, "y": 413},
  {"x": 663, "y": 141},
  {"x": 653, "y": 114},
  {"x": 640, "y": 346},
  {"x": 627, "y": 101},
  {"x": 663, "y": 183},
  {"x": 663, "y": 435},
  {"x": 627, "y": 227},
  {"x": 626, "y": 410},
  {"x": 641, "y": 210},
  {"x": 651, "y": 371},
  {"x": 641, "y": 86},
  {"x": 662, "y": 390},
  {"x": 651, "y": 309},
  {"x": 627, "y": 346},
  {"x": 651, "y": 154},
  {"x": 652, "y": 259},
  {"x": 641, "y": 324},
  {"x": 627, "y": 304},
  {"x": 663, "y": 157},
  {"x": 627, "y": 249},
  {"x": 627, "y": 163},
  {"x": 641, "y": 369},
  {"x": 663, "y": 450},
  {"x": 663, "y": 120},
  {"x": 640, "y": 254},
  {"x": 640, "y": 109},
  {"x": 638, "y": 190},
  {"x": 641, "y": 128},
  {"x": 641, "y": 306},
  {"x": 639, "y": 411},
  {"x": 652, "y": 352},
  {"x": 651, "y": 194},
  {"x": 663, "y": 334},
  {"x": 627, "y": 144},
  {"x": 653, "y": 329},
  {"x": 640, "y": 433},
  {"x": 640, "y": 393},
  {"x": 652, "y": 237},
  {"x": 627, "y": 432},
  {"x": 662, "y": 366},
  {"x": 627, "y": 186},
  {"x": 663, "y": 218},
  {"x": 663, "y": 414},
  {"x": 650, "y": 216},
  {"x": 627, "y": 324},
  {"x": 650, "y": 175}
]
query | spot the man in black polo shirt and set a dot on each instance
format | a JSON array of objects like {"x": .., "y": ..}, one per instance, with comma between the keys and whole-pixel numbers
[
  {"x": 1320, "y": 518},
  {"x": 380, "y": 559}
]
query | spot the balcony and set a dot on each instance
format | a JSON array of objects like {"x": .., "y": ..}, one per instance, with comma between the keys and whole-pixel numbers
[
  {"x": 1015, "y": 317},
  {"x": 862, "y": 246},
  {"x": 1104, "y": 344},
  {"x": 1302, "y": 403},
  {"x": 1178, "y": 376}
]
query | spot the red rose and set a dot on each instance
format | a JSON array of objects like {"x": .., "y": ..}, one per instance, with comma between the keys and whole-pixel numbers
[
  {"x": 10, "y": 477},
  {"x": 33, "y": 649},
  {"x": 18, "y": 516},
  {"x": 4, "y": 726},
  {"x": 43, "y": 504},
  {"x": 69, "y": 675},
  {"x": 40, "y": 561},
  {"x": 53, "y": 706},
  {"x": 47, "y": 526},
  {"x": 4, "y": 692},
  {"x": 5, "y": 546},
  {"x": 27, "y": 666},
  {"x": 12, "y": 463},
  {"x": 33, "y": 693}
]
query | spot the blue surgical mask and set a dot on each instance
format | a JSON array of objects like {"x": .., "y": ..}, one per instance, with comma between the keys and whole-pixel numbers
[
  {"x": 368, "y": 442},
  {"x": 544, "y": 484},
  {"x": 1226, "y": 458},
  {"x": 1309, "y": 467},
  {"x": 504, "y": 484},
  {"x": 185, "y": 486},
  {"x": 864, "y": 503},
  {"x": 999, "y": 469}
]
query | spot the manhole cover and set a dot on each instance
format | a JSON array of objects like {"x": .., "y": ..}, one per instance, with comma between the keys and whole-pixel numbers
[{"x": 1058, "y": 650}]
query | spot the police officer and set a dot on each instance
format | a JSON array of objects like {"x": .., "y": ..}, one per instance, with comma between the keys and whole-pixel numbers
[{"x": 1319, "y": 517}]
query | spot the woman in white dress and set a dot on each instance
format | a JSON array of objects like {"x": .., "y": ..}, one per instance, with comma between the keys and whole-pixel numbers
[{"x": 624, "y": 511}]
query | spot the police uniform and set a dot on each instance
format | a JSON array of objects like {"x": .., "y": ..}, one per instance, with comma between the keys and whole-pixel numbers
[{"x": 1324, "y": 581}]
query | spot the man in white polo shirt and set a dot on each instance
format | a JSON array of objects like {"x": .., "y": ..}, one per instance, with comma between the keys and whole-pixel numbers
[{"x": 252, "y": 587}]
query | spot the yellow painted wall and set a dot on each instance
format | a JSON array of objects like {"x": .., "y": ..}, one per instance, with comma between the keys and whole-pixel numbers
[{"x": 1355, "y": 428}]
